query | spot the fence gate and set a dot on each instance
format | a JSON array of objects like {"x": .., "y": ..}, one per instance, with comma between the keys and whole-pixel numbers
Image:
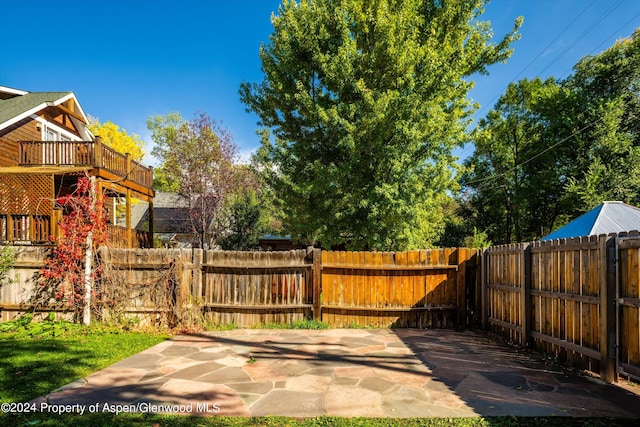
[{"x": 628, "y": 306}]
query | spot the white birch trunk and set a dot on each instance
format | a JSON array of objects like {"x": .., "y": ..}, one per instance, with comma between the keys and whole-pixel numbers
[{"x": 88, "y": 258}]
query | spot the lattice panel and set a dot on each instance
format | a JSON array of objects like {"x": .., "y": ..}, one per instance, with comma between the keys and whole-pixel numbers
[{"x": 26, "y": 194}]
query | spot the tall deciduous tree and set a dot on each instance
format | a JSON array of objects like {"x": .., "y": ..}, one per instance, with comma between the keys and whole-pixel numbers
[
  {"x": 366, "y": 100},
  {"x": 198, "y": 156},
  {"x": 117, "y": 138},
  {"x": 507, "y": 175},
  {"x": 549, "y": 151},
  {"x": 605, "y": 95}
]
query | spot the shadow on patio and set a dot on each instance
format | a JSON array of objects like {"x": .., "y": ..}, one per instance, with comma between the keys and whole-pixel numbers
[{"x": 347, "y": 372}]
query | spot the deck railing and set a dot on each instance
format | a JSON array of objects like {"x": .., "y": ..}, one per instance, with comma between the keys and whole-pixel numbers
[
  {"x": 84, "y": 153},
  {"x": 25, "y": 229},
  {"x": 119, "y": 237}
]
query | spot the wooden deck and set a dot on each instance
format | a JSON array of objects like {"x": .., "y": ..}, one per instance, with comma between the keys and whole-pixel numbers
[
  {"x": 27, "y": 212},
  {"x": 107, "y": 162}
]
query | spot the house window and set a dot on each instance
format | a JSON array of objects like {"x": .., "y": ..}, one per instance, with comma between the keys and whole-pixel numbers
[
  {"x": 53, "y": 134},
  {"x": 50, "y": 134}
]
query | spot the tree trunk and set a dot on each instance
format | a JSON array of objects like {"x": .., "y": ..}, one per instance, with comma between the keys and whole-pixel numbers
[{"x": 88, "y": 258}]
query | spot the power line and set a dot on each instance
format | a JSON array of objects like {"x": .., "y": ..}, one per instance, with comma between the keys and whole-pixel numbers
[
  {"x": 582, "y": 35},
  {"x": 606, "y": 39},
  {"x": 540, "y": 54},
  {"x": 494, "y": 177}
]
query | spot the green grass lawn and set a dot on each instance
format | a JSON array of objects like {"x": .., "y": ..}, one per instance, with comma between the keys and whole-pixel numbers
[
  {"x": 140, "y": 420},
  {"x": 38, "y": 358}
]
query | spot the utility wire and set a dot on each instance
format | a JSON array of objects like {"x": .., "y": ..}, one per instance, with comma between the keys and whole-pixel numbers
[
  {"x": 582, "y": 35},
  {"x": 494, "y": 177},
  {"x": 539, "y": 54},
  {"x": 606, "y": 40}
]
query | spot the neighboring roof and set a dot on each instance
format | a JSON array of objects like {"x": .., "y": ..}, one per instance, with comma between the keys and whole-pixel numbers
[
  {"x": 609, "y": 217},
  {"x": 170, "y": 213},
  {"x": 14, "y": 109},
  {"x": 275, "y": 237},
  {"x": 164, "y": 199}
]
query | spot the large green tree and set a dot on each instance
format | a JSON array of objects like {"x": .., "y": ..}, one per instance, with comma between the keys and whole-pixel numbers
[
  {"x": 511, "y": 180},
  {"x": 549, "y": 151},
  {"x": 605, "y": 95},
  {"x": 365, "y": 101}
]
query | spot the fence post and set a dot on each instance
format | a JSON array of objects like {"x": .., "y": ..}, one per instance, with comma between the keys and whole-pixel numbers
[
  {"x": 317, "y": 284},
  {"x": 183, "y": 272},
  {"x": 525, "y": 292},
  {"x": 607, "y": 309},
  {"x": 484, "y": 287},
  {"x": 460, "y": 289},
  {"x": 196, "y": 291}
]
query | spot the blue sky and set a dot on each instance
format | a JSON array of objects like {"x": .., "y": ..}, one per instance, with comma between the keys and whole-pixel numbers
[{"x": 129, "y": 59}]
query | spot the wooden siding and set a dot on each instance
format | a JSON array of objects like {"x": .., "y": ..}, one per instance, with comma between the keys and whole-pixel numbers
[{"x": 9, "y": 137}]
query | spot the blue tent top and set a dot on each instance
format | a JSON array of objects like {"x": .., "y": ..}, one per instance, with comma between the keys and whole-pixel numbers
[{"x": 609, "y": 217}]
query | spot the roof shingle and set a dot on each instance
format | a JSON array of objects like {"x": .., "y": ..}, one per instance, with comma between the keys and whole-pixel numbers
[{"x": 14, "y": 107}]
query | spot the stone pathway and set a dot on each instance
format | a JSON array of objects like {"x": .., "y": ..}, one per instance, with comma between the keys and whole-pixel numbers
[{"x": 343, "y": 372}]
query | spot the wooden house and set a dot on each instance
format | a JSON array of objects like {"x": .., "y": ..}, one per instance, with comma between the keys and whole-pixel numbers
[{"x": 45, "y": 147}]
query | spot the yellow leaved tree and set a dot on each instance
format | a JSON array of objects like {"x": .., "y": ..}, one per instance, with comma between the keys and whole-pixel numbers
[{"x": 117, "y": 138}]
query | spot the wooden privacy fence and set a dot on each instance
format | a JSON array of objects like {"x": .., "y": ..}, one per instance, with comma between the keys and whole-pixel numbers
[
  {"x": 14, "y": 297},
  {"x": 628, "y": 304},
  {"x": 576, "y": 299},
  {"x": 249, "y": 288},
  {"x": 429, "y": 288},
  {"x": 419, "y": 289}
]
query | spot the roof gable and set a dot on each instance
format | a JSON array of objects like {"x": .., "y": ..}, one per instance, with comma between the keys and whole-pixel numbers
[
  {"x": 607, "y": 218},
  {"x": 14, "y": 109}
]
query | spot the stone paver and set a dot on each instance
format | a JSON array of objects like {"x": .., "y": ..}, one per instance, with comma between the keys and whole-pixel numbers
[{"x": 345, "y": 372}]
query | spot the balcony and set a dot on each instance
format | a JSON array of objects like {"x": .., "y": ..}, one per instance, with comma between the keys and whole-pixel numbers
[{"x": 94, "y": 154}]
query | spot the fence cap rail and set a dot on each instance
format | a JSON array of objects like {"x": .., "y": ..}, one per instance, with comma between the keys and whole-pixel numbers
[
  {"x": 256, "y": 267},
  {"x": 390, "y": 268}
]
